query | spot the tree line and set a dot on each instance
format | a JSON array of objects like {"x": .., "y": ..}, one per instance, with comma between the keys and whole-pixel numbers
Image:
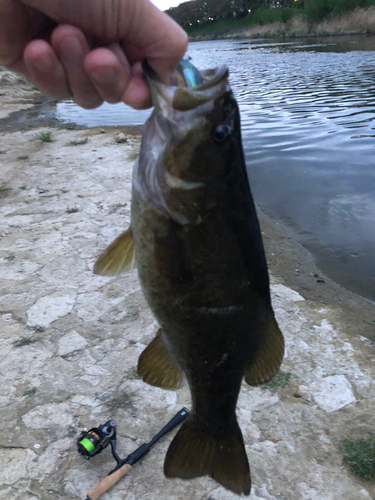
[{"x": 194, "y": 13}]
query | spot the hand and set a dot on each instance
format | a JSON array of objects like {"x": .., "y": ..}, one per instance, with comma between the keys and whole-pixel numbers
[{"x": 89, "y": 50}]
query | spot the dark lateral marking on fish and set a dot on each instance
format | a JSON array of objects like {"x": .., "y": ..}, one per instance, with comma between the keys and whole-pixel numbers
[
  {"x": 220, "y": 310},
  {"x": 171, "y": 257}
]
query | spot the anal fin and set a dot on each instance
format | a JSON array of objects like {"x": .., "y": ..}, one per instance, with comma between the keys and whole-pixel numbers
[
  {"x": 269, "y": 356},
  {"x": 157, "y": 367},
  {"x": 117, "y": 257}
]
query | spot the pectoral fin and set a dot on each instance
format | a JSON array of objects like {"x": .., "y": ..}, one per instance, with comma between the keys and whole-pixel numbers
[
  {"x": 269, "y": 357},
  {"x": 157, "y": 367},
  {"x": 117, "y": 257}
]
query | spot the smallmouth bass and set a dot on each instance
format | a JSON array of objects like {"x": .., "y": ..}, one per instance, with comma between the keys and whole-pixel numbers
[{"x": 201, "y": 264}]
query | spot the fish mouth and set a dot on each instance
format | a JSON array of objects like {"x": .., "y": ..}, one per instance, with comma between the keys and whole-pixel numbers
[{"x": 183, "y": 96}]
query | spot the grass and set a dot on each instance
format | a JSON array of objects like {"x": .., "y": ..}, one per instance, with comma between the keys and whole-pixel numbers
[
  {"x": 29, "y": 392},
  {"x": 132, "y": 374},
  {"x": 24, "y": 341},
  {"x": 23, "y": 188},
  {"x": 122, "y": 399},
  {"x": 360, "y": 456},
  {"x": 280, "y": 380},
  {"x": 4, "y": 187},
  {"x": 72, "y": 430},
  {"x": 45, "y": 136},
  {"x": 77, "y": 142},
  {"x": 23, "y": 157},
  {"x": 10, "y": 257}
]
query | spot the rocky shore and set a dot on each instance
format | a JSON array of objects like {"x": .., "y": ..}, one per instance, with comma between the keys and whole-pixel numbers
[{"x": 70, "y": 340}]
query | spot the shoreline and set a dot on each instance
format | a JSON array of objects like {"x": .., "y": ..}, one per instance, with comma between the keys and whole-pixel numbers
[
  {"x": 69, "y": 340},
  {"x": 284, "y": 254},
  {"x": 241, "y": 34}
]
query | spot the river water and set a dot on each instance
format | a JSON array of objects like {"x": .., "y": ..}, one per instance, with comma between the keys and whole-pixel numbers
[{"x": 308, "y": 123}]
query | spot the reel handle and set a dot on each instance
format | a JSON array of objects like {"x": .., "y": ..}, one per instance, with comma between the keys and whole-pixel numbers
[{"x": 108, "y": 482}]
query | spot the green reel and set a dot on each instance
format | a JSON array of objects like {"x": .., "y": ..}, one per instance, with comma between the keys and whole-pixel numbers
[{"x": 94, "y": 441}]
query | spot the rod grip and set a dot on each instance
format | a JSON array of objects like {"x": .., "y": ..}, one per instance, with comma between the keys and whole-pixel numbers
[{"x": 108, "y": 482}]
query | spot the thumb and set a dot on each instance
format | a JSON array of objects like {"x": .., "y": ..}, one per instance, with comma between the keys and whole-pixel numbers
[{"x": 155, "y": 36}]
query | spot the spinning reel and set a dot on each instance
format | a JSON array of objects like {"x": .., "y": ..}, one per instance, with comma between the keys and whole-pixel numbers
[{"x": 94, "y": 441}]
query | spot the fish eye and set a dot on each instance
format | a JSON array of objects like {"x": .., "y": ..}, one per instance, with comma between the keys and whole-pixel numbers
[{"x": 221, "y": 132}]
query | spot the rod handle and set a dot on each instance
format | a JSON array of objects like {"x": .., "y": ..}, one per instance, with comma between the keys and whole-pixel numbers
[{"x": 108, "y": 482}]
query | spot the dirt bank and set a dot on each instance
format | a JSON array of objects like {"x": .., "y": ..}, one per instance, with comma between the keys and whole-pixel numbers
[{"x": 69, "y": 340}]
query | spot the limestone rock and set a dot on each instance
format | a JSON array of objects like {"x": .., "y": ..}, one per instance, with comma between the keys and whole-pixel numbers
[
  {"x": 121, "y": 138},
  {"x": 71, "y": 342},
  {"x": 45, "y": 416},
  {"x": 286, "y": 293},
  {"x": 50, "y": 308},
  {"x": 330, "y": 393}
]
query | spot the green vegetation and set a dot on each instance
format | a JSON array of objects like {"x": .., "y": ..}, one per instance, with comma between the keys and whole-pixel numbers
[
  {"x": 24, "y": 341},
  {"x": 132, "y": 374},
  {"x": 45, "y": 136},
  {"x": 205, "y": 16},
  {"x": 10, "y": 257},
  {"x": 4, "y": 187},
  {"x": 121, "y": 399},
  {"x": 317, "y": 10},
  {"x": 360, "y": 456},
  {"x": 72, "y": 431},
  {"x": 23, "y": 158},
  {"x": 29, "y": 392},
  {"x": 77, "y": 142},
  {"x": 280, "y": 380}
]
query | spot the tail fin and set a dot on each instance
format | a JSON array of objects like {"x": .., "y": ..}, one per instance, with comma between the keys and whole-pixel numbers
[{"x": 195, "y": 452}]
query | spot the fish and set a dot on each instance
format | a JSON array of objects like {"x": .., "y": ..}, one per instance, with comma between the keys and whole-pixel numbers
[{"x": 197, "y": 245}]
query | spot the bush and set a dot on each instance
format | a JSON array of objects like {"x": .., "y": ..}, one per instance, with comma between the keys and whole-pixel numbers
[
  {"x": 317, "y": 10},
  {"x": 268, "y": 16}
]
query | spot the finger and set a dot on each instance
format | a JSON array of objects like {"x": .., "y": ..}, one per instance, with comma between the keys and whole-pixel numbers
[
  {"x": 137, "y": 94},
  {"x": 71, "y": 47},
  {"x": 45, "y": 70},
  {"x": 109, "y": 71},
  {"x": 154, "y": 35},
  {"x": 18, "y": 26}
]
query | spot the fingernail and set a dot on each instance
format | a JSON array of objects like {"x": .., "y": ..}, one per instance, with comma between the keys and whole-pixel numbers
[{"x": 104, "y": 76}]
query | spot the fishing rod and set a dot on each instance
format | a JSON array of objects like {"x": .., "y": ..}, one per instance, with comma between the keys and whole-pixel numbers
[{"x": 94, "y": 441}]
